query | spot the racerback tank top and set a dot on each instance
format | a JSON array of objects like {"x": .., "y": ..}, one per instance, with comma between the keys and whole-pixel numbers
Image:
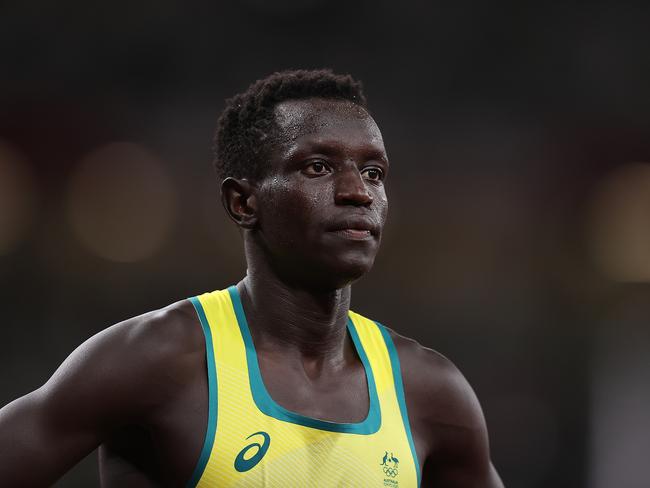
[{"x": 251, "y": 441}]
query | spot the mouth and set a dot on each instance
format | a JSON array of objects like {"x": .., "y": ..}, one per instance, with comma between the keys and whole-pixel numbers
[
  {"x": 356, "y": 229},
  {"x": 354, "y": 234}
]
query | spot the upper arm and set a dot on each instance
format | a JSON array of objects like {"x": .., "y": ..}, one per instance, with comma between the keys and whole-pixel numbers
[
  {"x": 461, "y": 454},
  {"x": 109, "y": 381},
  {"x": 447, "y": 418}
]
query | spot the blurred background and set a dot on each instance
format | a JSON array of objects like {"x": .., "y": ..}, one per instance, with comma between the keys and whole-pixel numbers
[{"x": 518, "y": 241}]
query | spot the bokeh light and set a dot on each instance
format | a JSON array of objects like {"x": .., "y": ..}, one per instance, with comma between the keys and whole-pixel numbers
[
  {"x": 121, "y": 202},
  {"x": 619, "y": 224},
  {"x": 17, "y": 198}
]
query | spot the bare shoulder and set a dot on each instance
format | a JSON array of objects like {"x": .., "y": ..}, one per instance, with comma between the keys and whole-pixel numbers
[
  {"x": 436, "y": 385},
  {"x": 121, "y": 376},
  {"x": 446, "y": 419},
  {"x": 152, "y": 338},
  {"x": 170, "y": 333},
  {"x": 131, "y": 366}
]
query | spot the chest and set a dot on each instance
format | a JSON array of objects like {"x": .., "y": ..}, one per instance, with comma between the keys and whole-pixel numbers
[
  {"x": 255, "y": 439},
  {"x": 341, "y": 396},
  {"x": 168, "y": 449}
]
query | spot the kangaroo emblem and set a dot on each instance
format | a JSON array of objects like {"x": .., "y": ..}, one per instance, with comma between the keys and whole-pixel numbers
[
  {"x": 390, "y": 468},
  {"x": 383, "y": 463}
]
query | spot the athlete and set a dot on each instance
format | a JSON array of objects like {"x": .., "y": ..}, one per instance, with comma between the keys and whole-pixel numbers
[{"x": 272, "y": 381}]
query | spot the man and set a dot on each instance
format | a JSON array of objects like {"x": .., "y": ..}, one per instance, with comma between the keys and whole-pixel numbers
[{"x": 274, "y": 381}]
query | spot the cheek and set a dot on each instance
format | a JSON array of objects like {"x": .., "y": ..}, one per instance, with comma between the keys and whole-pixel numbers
[
  {"x": 381, "y": 206},
  {"x": 289, "y": 206}
]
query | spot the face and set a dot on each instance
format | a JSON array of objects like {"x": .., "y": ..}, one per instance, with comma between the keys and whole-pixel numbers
[{"x": 322, "y": 206}]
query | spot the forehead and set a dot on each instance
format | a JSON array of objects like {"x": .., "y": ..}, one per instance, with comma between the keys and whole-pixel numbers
[{"x": 301, "y": 121}]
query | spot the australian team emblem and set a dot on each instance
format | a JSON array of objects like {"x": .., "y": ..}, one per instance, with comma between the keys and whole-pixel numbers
[{"x": 390, "y": 466}]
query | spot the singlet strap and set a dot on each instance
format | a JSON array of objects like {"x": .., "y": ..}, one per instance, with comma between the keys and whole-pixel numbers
[
  {"x": 399, "y": 391},
  {"x": 212, "y": 395}
]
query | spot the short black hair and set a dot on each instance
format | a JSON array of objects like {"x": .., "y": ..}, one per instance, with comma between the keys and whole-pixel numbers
[{"x": 246, "y": 128}]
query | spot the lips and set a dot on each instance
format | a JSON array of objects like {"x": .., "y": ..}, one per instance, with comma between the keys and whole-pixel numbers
[
  {"x": 354, "y": 234},
  {"x": 355, "y": 227}
]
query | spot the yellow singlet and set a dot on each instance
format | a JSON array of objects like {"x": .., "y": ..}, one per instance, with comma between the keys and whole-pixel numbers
[{"x": 252, "y": 441}]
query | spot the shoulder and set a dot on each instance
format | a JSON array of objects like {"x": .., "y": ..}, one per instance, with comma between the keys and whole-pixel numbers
[
  {"x": 446, "y": 419},
  {"x": 170, "y": 333},
  {"x": 120, "y": 377},
  {"x": 153, "y": 338},
  {"x": 441, "y": 403},
  {"x": 434, "y": 379},
  {"x": 131, "y": 367}
]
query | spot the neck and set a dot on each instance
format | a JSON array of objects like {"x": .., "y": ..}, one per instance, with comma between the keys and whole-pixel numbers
[{"x": 309, "y": 322}]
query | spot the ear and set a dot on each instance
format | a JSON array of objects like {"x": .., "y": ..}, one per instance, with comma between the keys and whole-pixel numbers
[{"x": 238, "y": 198}]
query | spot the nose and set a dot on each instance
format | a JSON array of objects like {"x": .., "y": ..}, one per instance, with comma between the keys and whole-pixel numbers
[{"x": 351, "y": 189}]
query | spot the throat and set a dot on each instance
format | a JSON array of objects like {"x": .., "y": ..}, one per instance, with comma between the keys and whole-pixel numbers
[
  {"x": 340, "y": 397},
  {"x": 307, "y": 362},
  {"x": 312, "y": 326}
]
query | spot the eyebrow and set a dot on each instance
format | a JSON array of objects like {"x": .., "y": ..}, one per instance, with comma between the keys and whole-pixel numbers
[{"x": 329, "y": 148}]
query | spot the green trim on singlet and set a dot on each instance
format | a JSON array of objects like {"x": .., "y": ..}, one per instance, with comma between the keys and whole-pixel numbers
[
  {"x": 399, "y": 391},
  {"x": 268, "y": 406},
  {"x": 212, "y": 396}
]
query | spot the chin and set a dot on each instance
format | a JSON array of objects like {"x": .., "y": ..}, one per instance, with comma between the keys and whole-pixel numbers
[
  {"x": 346, "y": 272},
  {"x": 334, "y": 272}
]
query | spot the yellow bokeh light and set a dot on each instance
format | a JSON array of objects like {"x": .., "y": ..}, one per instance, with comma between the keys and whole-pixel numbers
[
  {"x": 619, "y": 224},
  {"x": 121, "y": 202}
]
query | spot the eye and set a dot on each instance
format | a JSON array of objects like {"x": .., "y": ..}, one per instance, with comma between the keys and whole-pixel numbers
[
  {"x": 373, "y": 173},
  {"x": 317, "y": 168}
]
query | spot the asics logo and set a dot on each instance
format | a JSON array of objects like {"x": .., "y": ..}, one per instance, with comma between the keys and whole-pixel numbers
[{"x": 242, "y": 463}]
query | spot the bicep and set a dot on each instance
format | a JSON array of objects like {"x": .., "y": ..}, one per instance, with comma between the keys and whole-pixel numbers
[
  {"x": 37, "y": 447},
  {"x": 459, "y": 454},
  {"x": 46, "y": 432},
  {"x": 462, "y": 460}
]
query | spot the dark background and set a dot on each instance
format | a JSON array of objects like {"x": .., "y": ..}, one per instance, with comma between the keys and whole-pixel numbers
[{"x": 518, "y": 241}]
